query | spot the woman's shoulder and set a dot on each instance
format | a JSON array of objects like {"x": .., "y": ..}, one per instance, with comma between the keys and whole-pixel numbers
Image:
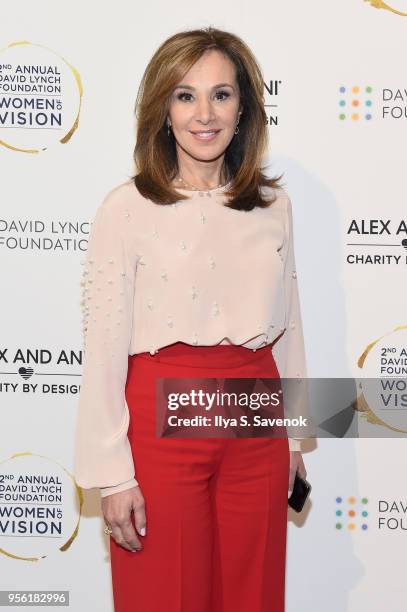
[
  {"x": 279, "y": 200},
  {"x": 121, "y": 197},
  {"x": 275, "y": 194},
  {"x": 121, "y": 205}
]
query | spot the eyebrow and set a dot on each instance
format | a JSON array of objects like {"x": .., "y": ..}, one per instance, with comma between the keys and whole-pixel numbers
[{"x": 214, "y": 87}]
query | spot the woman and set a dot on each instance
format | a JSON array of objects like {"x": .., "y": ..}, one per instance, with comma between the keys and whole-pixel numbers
[{"x": 190, "y": 273}]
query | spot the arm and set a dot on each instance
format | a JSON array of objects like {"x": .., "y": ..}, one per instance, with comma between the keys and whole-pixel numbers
[
  {"x": 103, "y": 456},
  {"x": 294, "y": 444},
  {"x": 289, "y": 349},
  {"x": 123, "y": 486}
]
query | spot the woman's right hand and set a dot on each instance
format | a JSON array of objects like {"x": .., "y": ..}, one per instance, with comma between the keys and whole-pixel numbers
[{"x": 117, "y": 509}]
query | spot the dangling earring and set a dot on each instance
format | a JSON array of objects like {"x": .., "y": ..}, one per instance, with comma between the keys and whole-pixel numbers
[
  {"x": 168, "y": 129},
  {"x": 237, "y": 129}
]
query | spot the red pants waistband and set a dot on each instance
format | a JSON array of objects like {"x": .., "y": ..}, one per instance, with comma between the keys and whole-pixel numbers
[{"x": 218, "y": 355}]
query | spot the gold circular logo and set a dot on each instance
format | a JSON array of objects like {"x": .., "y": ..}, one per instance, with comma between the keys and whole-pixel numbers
[
  {"x": 40, "y": 98},
  {"x": 392, "y": 7}
]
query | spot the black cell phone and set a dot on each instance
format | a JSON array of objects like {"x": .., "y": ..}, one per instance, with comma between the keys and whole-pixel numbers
[{"x": 300, "y": 493}]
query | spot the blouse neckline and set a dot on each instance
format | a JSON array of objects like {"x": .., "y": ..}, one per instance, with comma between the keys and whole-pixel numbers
[{"x": 213, "y": 190}]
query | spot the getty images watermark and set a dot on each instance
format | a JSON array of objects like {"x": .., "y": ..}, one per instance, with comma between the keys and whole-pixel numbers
[
  {"x": 281, "y": 408},
  {"x": 228, "y": 407}
]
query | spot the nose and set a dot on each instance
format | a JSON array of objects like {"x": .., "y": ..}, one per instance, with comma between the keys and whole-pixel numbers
[{"x": 204, "y": 111}]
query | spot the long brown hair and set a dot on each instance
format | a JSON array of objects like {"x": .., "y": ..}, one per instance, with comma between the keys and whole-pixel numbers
[{"x": 155, "y": 151}]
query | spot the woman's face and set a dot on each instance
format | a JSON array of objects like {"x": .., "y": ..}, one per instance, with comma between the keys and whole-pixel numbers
[{"x": 204, "y": 107}]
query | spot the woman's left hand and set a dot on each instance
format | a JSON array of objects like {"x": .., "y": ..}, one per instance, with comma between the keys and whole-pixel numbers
[{"x": 296, "y": 463}]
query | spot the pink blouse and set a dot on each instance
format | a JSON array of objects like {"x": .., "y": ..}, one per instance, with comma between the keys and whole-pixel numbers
[{"x": 194, "y": 271}]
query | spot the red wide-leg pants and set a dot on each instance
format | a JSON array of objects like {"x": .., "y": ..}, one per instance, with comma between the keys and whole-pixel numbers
[{"x": 216, "y": 508}]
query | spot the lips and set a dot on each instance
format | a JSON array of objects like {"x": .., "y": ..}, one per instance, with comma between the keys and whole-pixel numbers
[
  {"x": 204, "y": 131},
  {"x": 205, "y": 134}
]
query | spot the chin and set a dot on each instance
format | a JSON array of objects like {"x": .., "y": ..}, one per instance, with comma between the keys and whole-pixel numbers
[
  {"x": 207, "y": 155},
  {"x": 206, "y": 151}
]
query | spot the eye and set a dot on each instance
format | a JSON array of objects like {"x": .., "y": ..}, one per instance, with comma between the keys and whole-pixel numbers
[
  {"x": 184, "y": 93},
  {"x": 223, "y": 93}
]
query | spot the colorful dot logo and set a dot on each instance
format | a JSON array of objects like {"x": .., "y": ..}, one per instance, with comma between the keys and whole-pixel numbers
[
  {"x": 355, "y": 103},
  {"x": 351, "y": 513}
]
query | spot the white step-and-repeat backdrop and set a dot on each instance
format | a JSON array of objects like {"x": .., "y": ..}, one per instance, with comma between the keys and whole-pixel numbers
[{"x": 335, "y": 94}]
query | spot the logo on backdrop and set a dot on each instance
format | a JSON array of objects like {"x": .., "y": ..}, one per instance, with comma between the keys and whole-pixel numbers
[
  {"x": 359, "y": 103},
  {"x": 39, "y": 371},
  {"x": 40, "y": 97},
  {"x": 354, "y": 514},
  {"x": 355, "y": 103},
  {"x": 272, "y": 89},
  {"x": 392, "y": 514},
  {"x": 40, "y": 507},
  {"x": 383, "y": 399},
  {"x": 398, "y": 7},
  {"x": 54, "y": 235},
  {"x": 351, "y": 513},
  {"x": 384, "y": 242}
]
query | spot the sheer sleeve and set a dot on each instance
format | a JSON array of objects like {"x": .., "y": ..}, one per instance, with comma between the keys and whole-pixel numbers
[
  {"x": 289, "y": 349},
  {"x": 123, "y": 486},
  {"x": 102, "y": 456}
]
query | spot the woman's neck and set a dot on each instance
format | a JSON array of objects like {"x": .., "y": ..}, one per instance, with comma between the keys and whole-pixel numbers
[{"x": 199, "y": 175}]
